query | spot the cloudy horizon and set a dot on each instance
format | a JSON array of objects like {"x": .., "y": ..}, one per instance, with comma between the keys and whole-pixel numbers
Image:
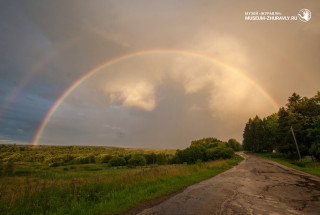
[{"x": 202, "y": 70}]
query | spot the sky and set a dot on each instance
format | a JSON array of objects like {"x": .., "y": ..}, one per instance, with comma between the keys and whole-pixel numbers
[{"x": 169, "y": 71}]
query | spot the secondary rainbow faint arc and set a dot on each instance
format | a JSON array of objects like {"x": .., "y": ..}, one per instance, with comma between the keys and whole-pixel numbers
[
  {"x": 34, "y": 70},
  {"x": 135, "y": 54}
]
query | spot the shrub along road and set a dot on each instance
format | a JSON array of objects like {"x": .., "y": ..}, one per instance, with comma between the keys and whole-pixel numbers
[{"x": 255, "y": 186}]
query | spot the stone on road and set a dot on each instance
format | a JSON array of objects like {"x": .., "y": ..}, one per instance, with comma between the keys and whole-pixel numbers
[{"x": 255, "y": 186}]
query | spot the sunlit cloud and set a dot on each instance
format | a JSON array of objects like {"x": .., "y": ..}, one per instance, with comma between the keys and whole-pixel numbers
[
  {"x": 139, "y": 95},
  {"x": 156, "y": 99}
]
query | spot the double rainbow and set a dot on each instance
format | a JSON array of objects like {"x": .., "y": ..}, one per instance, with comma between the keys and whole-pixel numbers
[
  {"x": 37, "y": 68},
  {"x": 132, "y": 55}
]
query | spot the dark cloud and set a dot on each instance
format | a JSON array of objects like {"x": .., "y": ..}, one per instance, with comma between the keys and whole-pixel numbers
[{"x": 20, "y": 121}]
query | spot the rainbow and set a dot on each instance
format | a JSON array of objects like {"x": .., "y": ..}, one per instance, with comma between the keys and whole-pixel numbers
[
  {"x": 37, "y": 68},
  {"x": 135, "y": 54}
]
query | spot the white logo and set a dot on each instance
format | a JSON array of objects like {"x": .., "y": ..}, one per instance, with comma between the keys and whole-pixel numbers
[{"x": 304, "y": 15}]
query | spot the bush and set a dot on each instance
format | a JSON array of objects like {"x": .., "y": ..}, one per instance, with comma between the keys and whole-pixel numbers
[
  {"x": 117, "y": 161},
  {"x": 84, "y": 159},
  {"x": 199, "y": 163},
  {"x": 138, "y": 160},
  {"x": 54, "y": 164},
  {"x": 234, "y": 144},
  {"x": 91, "y": 158},
  {"x": 300, "y": 163},
  {"x": 190, "y": 155},
  {"x": 150, "y": 158},
  {"x": 105, "y": 158},
  {"x": 315, "y": 150},
  {"x": 161, "y": 159},
  {"x": 219, "y": 153},
  {"x": 128, "y": 157}
]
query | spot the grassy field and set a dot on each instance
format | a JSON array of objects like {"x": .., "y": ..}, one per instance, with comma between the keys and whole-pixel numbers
[
  {"x": 36, "y": 188},
  {"x": 309, "y": 167}
]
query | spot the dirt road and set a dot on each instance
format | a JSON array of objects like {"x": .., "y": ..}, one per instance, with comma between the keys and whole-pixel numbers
[{"x": 255, "y": 186}]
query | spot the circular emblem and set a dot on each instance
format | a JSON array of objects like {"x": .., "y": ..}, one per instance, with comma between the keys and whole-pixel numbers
[{"x": 304, "y": 15}]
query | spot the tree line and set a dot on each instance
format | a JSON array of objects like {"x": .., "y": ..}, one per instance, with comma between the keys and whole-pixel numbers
[
  {"x": 205, "y": 149},
  {"x": 274, "y": 132},
  {"x": 55, "y": 156}
]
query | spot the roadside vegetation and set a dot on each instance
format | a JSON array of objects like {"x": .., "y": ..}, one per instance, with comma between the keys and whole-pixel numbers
[
  {"x": 312, "y": 167},
  {"x": 102, "y": 180},
  {"x": 272, "y": 137}
]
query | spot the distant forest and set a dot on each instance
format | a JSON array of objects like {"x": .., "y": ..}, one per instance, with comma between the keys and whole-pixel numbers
[
  {"x": 206, "y": 149},
  {"x": 274, "y": 132}
]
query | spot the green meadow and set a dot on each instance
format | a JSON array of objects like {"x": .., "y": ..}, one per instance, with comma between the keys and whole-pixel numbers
[{"x": 45, "y": 180}]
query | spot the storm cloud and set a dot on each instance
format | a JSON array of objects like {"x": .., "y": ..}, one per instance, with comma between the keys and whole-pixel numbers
[{"x": 206, "y": 72}]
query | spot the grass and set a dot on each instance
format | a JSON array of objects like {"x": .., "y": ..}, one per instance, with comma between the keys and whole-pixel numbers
[
  {"x": 309, "y": 167},
  {"x": 95, "y": 189}
]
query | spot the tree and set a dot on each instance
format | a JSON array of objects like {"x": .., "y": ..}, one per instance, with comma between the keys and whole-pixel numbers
[
  {"x": 190, "y": 155},
  {"x": 161, "y": 159},
  {"x": 106, "y": 158},
  {"x": 234, "y": 144},
  {"x": 137, "y": 160},
  {"x": 195, "y": 153},
  {"x": 117, "y": 161},
  {"x": 206, "y": 142},
  {"x": 247, "y": 136},
  {"x": 273, "y": 132},
  {"x": 128, "y": 157},
  {"x": 271, "y": 126},
  {"x": 314, "y": 132},
  {"x": 151, "y": 158},
  {"x": 219, "y": 153},
  {"x": 293, "y": 100},
  {"x": 253, "y": 136}
]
